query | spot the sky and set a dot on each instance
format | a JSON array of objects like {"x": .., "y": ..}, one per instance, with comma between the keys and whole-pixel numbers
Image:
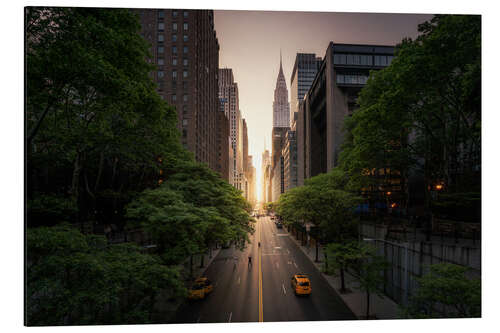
[{"x": 250, "y": 43}]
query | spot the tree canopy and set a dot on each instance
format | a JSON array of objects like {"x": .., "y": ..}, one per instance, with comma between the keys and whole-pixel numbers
[{"x": 422, "y": 114}]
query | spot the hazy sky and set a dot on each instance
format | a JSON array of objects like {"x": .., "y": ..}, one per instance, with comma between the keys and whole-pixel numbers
[{"x": 250, "y": 43}]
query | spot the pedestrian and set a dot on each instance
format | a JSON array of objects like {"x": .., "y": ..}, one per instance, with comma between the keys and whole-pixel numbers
[{"x": 249, "y": 260}]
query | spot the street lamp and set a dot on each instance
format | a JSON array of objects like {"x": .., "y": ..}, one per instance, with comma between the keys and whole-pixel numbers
[{"x": 406, "y": 280}]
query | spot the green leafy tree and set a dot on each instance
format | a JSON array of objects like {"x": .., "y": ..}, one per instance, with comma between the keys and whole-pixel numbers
[
  {"x": 422, "y": 114},
  {"x": 446, "y": 291},
  {"x": 76, "y": 279},
  {"x": 340, "y": 257},
  {"x": 95, "y": 124},
  {"x": 325, "y": 203},
  {"x": 370, "y": 267}
]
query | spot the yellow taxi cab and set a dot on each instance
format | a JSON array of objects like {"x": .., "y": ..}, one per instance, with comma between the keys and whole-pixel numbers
[
  {"x": 301, "y": 285},
  {"x": 200, "y": 288}
]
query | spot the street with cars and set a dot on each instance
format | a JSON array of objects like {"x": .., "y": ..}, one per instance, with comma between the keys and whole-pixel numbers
[{"x": 269, "y": 282}]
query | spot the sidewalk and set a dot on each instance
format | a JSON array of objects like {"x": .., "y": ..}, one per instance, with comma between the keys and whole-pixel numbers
[{"x": 381, "y": 308}]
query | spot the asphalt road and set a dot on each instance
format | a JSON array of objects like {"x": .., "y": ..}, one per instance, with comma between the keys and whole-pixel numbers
[{"x": 237, "y": 296}]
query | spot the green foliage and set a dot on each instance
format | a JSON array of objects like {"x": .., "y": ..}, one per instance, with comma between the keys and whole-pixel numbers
[
  {"x": 95, "y": 123},
  {"x": 73, "y": 279},
  {"x": 369, "y": 268},
  {"x": 463, "y": 206},
  {"x": 422, "y": 114},
  {"x": 446, "y": 291},
  {"x": 193, "y": 209},
  {"x": 51, "y": 208},
  {"x": 342, "y": 256},
  {"x": 324, "y": 202}
]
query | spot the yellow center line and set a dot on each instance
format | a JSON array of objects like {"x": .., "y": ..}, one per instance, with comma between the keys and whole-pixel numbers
[{"x": 261, "y": 313}]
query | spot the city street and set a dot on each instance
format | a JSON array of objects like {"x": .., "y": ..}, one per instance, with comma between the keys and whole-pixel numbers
[{"x": 262, "y": 291}]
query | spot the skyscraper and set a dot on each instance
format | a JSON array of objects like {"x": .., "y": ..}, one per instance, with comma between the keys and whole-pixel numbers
[
  {"x": 228, "y": 91},
  {"x": 185, "y": 49},
  {"x": 281, "y": 123},
  {"x": 281, "y": 107},
  {"x": 304, "y": 71}
]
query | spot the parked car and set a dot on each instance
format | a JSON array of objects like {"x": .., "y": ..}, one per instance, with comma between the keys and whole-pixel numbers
[
  {"x": 279, "y": 225},
  {"x": 200, "y": 289},
  {"x": 301, "y": 285}
]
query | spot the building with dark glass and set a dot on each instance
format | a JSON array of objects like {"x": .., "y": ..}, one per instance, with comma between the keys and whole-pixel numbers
[{"x": 332, "y": 96}]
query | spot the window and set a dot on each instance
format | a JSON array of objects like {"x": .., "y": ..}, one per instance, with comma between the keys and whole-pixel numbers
[
  {"x": 185, "y": 49},
  {"x": 161, "y": 26},
  {"x": 184, "y": 109},
  {"x": 184, "y": 85},
  {"x": 185, "y": 98},
  {"x": 174, "y": 62},
  {"x": 174, "y": 38},
  {"x": 185, "y": 38},
  {"x": 184, "y": 122},
  {"x": 160, "y": 49},
  {"x": 185, "y": 14},
  {"x": 184, "y": 62},
  {"x": 339, "y": 59},
  {"x": 174, "y": 98},
  {"x": 174, "y": 49},
  {"x": 185, "y": 74},
  {"x": 174, "y": 74},
  {"x": 174, "y": 26},
  {"x": 174, "y": 13},
  {"x": 160, "y": 74},
  {"x": 185, "y": 26},
  {"x": 160, "y": 61},
  {"x": 161, "y": 38},
  {"x": 161, "y": 14}
]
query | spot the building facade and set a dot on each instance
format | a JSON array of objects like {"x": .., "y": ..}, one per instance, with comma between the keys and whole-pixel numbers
[
  {"x": 331, "y": 97},
  {"x": 223, "y": 144},
  {"x": 304, "y": 71},
  {"x": 289, "y": 154},
  {"x": 185, "y": 50},
  {"x": 228, "y": 91}
]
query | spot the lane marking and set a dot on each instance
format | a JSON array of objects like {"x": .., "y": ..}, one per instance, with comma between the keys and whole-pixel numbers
[
  {"x": 277, "y": 265},
  {"x": 284, "y": 290},
  {"x": 295, "y": 265},
  {"x": 230, "y": 315},
  {"x": 261, "y": 313},
  {"x": 238, "y": 280}
]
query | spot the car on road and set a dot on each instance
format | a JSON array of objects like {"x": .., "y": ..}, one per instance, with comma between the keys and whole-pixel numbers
[
  {"x": 301, "y": 285},
  {"x": 201, "y": 287},
  {"x": 279, "y": 225}
]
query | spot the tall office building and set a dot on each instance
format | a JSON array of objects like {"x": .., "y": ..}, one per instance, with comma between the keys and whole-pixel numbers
[
  {"x": 228, "y": 91},
  {"x": 281, "y": 123},
  {"x": 223, "y": 143},
  {"x": 331, "y": 97},
  {"x": 185, "y": 49},
  {"x": 281, "y": 107},
  {"x": 304, "y": 71},
  {"x": 266, "y": 173}
]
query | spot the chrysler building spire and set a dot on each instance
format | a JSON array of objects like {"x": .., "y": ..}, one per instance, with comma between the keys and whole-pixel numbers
[{"x": 281, "y": 107}]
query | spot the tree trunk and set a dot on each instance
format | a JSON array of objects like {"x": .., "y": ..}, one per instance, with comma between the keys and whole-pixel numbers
[
  {"x": 317, "y": 250},
  {"x": 342, "y": 280},
  {"x": 367, "y": 304},
  {"x": 202, "y": 260}
]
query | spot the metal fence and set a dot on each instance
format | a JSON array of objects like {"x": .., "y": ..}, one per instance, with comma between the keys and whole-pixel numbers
[{"x": 411, "y": 260}]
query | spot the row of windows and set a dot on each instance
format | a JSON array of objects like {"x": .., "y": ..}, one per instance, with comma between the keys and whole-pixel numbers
[
  {"x": 184, "y": 98},
  {"x": 175, "y": 13},
  {"x": 161, "y": 62},
  {"x": 174, "y": 74},
  {"x": 352, "y": 79},
  {"x": 161, "y": 49},
  {"x": 161, "y": 38},
  {"x": 362, "y": 59}
]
